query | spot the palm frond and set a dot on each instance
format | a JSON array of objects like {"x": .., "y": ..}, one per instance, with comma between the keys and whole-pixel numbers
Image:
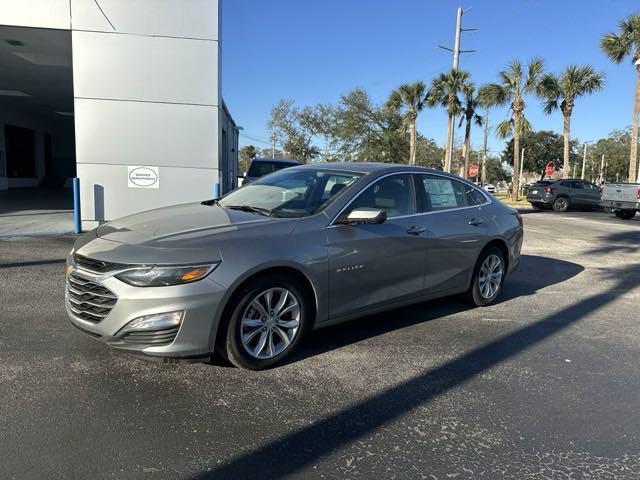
[
  {"x": 494, "y": 94},
  {"x": 615, "y": 47},
  {"x": 535, "y": 69},
  {"x": 505, "y": 129}
]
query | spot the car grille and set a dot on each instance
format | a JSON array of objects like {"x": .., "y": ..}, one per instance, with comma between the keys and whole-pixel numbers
[
  {"x": 156, "y": 338},
  {"x": 97, "y": 266},
  {"x": 89, "y": 300}
]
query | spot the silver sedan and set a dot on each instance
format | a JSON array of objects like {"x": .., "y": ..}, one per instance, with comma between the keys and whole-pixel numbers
[{"x": 248, "y": 275}]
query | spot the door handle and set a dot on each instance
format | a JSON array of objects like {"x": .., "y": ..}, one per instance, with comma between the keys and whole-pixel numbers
[
  {"x": 415, "y": 230},
  {"x": 475, "y": 221}
]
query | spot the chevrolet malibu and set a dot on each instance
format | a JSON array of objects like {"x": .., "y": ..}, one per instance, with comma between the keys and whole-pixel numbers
[{"x": 248, "y": 275}]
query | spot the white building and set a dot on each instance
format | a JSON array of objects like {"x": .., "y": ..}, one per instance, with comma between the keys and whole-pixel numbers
[{"x": 97, "y": 88}]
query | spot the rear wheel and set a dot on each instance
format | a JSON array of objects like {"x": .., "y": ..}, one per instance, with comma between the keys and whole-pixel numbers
[
  {"x": 267, "y": 323},
  {"x": 487, "y": 277},
  {"x": 625, "y": 214},
  {"x": 561, "y": 204}
]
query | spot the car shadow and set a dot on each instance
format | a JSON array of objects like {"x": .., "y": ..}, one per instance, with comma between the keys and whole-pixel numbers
[
  {"x": 301, "y": 449},
  {"x": 535, "y": 273}
]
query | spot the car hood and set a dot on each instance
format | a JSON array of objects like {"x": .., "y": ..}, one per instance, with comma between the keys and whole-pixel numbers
[
  {"x": 164, "y": 227},
  {"x": 189, "y": 232}
]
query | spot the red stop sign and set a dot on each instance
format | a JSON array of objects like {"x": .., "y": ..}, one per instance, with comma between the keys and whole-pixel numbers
[
  {"x": 473, "y": 170},
  {"x": 550, "y": 168}
]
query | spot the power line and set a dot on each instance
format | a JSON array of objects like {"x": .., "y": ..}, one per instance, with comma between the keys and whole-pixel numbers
[{"x": 259, "y": 140}]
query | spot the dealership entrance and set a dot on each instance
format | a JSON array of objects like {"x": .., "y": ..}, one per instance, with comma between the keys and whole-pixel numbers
[{"x": 37, "y": 144}]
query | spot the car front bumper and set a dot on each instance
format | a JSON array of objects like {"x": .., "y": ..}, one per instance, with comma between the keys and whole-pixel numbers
[{"x": 195, "y": 336}]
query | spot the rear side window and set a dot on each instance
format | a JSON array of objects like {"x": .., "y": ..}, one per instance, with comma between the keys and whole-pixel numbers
[
  {"x": 576, "y": 184},
  {"x": 565, "y": 184},
  {"x": 443, "y": 193},
  {"x": 474, "y": 197}
]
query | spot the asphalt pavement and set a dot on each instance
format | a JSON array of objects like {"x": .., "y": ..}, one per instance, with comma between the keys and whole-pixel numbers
[{"x": 543, "y": 385}]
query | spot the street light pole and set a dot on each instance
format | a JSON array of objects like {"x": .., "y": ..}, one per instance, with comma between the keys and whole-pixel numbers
[{"x": 584, "y": 160}]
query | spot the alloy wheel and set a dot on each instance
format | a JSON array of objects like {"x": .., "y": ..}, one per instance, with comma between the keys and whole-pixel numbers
[
  {"x": 490, "y": 276},
  {"x": 270, "y": 322}
]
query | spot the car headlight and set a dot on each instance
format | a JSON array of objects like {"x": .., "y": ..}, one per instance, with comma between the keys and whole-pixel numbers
[{"x": 162, "y": 276}]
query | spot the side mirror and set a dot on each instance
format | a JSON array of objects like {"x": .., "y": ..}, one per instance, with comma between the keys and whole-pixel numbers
[{"x": 360, "y": 216}]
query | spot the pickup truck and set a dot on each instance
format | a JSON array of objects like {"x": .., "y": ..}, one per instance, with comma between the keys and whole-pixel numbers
[{"x": 621, "y": 198}]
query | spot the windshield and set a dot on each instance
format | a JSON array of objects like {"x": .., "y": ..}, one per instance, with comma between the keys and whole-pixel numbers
[{"x": 290, "y": 192}]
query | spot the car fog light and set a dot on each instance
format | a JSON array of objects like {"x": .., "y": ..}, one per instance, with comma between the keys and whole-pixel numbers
[{"x": 157, "y": 321}]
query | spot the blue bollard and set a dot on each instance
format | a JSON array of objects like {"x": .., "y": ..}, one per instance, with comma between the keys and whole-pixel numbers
[
  {"x": 77, "y": 223},
  {"x": 216, "y": 190}
]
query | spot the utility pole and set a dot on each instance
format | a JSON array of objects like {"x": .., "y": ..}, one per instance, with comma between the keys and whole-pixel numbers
[
  {"x": 483, "y": 174},
  {"x": 273, "y": 141},
  {"x": 584, "y": 160},
  {"x": 456, "y": 60},
  {"x": 602, "y": 170},
  {"x": 573, "y": 174}
]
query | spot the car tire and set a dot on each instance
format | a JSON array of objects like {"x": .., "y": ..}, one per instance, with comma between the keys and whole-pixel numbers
[
  {"x": 625, "y": 214},
  {"x": 479, "y": 293},
  {"x": 246, "y": 320},
  {"x": 561, "y": 204}
]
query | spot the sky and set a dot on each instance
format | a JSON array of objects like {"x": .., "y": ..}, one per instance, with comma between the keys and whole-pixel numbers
[{"x": 314, "y": 51}]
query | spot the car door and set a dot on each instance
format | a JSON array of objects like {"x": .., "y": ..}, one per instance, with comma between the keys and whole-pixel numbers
[
  {"x": 456, "y": 227},
  {"x": 373, "y": 265},
  {"x": 592, "y": 194}
]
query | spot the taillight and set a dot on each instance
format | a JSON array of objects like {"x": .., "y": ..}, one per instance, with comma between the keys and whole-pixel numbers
[
  {"x": 548, "y": 190},
  {"x": 638, "y": 194}
]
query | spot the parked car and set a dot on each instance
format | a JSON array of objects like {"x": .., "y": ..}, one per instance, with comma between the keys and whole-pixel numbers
[
  {"x": 248, "y": 275},
  {"x": 564, "y": 194},
  {"x": 260, "y": 167},
  {"x": 623, "y": 199},
  {"x": 491, "y": 189}
]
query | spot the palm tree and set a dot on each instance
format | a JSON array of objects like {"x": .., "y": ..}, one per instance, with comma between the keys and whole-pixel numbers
[
  {"x": 444, "y": 92},
  {"x": 617, "y": 46},
  {"x": 410, "y": 96},
  {"x": 470, "y": 114},
  {"x": 515, "y": 82},
  {"x": 560, "y": 93}
]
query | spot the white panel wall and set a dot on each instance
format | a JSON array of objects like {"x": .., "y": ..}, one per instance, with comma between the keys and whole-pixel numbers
[
  {"x": 36, "y": 13},
  {"x": 151, "y": 134},
  {"x": 146, "y": 93},
  {"x": 151, "y": 69},
  {"x": 103, "y": 198},
  {"x": 171, "y": 18}
]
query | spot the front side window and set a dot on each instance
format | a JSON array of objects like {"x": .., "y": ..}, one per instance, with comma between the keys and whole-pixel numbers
[
  {"x": 290, "y": 192},
  {"x": 443, "y": 193},
  {"x": 393, "y": 194}
]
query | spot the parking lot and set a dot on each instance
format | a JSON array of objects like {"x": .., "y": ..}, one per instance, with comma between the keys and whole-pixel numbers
[{"x": 544, "y": 384}]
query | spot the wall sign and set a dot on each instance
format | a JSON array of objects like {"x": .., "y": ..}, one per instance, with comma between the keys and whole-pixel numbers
[{"x": 143, "y": 177}]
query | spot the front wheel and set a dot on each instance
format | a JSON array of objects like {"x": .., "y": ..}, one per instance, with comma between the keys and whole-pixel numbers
[
  {"x": 625, "y": 214},
  {"x": 487, "y": 277},
  {"x": 267, "y": 323}
]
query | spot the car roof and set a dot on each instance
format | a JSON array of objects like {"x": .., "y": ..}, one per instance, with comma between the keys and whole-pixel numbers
[
  {"x": 279, "y": 160},
  {"x": 372, "y": 167}
]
